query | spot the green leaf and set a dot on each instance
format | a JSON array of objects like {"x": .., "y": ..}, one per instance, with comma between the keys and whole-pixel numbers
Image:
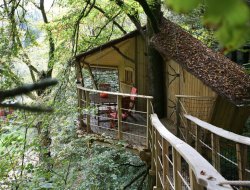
[
  {"x": 230, "y": 19},
  {"x": 182, "y": 6}
]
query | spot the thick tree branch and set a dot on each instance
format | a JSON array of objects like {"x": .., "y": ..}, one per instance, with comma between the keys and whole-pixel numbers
[
  {"x": 77, "y": 23},
  {"x": 129, "y": 164},
  {"x": 51, "y": 41},
  {"x": 10, "y": 10},
  {"x": 26, "y": 89},
  {"x": 153, "y": 21},
  {"x": 138, "y": 176},
  {"x": 91, "y": 74},
  {"x": 27, "y": 108},
  {"x": 108, "y": 17},
  {"x": 122, "y": 54},
  {"x": 133, "y": 17}
]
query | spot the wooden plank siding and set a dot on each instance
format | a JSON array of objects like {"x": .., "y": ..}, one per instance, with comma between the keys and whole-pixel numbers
[
  {"x": 228, "y": 116},
  {"x": 133, "y": 48},
  {"x": 141, "y": 73},
  {"x": 109, "y": 57},
  {"x": 178, "y": 81},
  {"x": 181, "y": 82}
]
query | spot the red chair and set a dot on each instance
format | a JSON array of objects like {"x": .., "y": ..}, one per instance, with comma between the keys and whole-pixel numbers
[{"x": 128, "y": 104}]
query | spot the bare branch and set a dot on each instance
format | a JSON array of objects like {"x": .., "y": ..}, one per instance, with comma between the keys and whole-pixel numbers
[
  {"x": 51, "y": 40},
  {"x": 26, "y": 89},
  {"x": 133, "y": 17},
  {"x": 122, "y": 54},
  {"x": 108, "y": 17},
  {"x": 76, "y": 27},
  {"x": 138, "y": 176},
  {"x": 153, "y": 21},
  {"x": 27, "y": 108}
]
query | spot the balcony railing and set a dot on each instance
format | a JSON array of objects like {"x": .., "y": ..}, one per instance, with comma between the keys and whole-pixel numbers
[
  {"x": 95, "y": 114},
  {"x": 176, "y": 165},
  {"x": 228, "y": 152}
]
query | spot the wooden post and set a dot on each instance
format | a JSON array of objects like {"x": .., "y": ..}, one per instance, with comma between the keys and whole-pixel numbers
[
  {"x": 215, "y": 143},
  {"x": 80, "y": 106},
  {"x": 119, "y": 116},
  {"x": 165, "y": 152},
  {"x": 193, "y": 182},
  {"x": 152, "y": 172},
  {"x": 241, "y": 152},
  {"x": 188, "y": 129},
  {"x": 178, "y": 118},
  {"x": 197, "y": 138},
  {"x": 88, "y": 115},
  {"x": 158, "y": 165},
  {"x": 80, "y": 94},
  {"x": 148, "y": 122},
  {"x": 177, "y": 167}
]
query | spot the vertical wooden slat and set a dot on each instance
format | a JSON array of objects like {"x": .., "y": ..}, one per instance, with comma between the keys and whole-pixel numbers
[
  {"x": 153, "y": 151},
  {"x": 241, "y": 151},
  {"x": 165, "y": 152},
  {"x": 152, "y": 169},
  {"x": 177, "y": 167},
  {"x": 178, "y": 118},
  {"x": 80, "y": 106},
  {"x": 188, "y": 129},
  {"x": 119, "y": 116},
  {"x": 215, "y": 143},
  {"x": 157, "y": 154},
  {"x": 148, "y": 121},
  {"x": 193, "y": 182},
  {"x": 197, "y": 138},
  {"x": 88, "y": 115}
]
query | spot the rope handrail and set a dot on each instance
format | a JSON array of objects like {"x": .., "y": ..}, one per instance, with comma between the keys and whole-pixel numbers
[
  {"x": 219, "y": 131},
  {"x": 205, "y": 174},
  {"x": 114, "y": 93}
]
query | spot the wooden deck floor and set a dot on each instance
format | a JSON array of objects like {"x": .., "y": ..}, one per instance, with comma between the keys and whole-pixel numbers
[{"x": 134, "y": 131}]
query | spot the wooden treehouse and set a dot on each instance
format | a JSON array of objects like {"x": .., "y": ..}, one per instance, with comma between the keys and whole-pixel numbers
[{"x": 207, "y": 95}]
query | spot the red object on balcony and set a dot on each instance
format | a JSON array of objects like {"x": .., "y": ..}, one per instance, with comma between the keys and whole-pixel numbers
[
  {"x": 2, "y": 112},
  {"x": 104, "y": 95}
]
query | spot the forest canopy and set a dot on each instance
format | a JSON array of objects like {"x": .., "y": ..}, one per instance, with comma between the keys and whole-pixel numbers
[{"x": 39, "y": 40}]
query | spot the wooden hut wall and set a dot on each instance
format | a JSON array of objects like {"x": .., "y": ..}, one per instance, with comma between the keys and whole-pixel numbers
[
  {"x": 228, "y": 116},
  {"x": 109, "y": 57},
  {"x": 141, "y": 74},
  {"x": 181, "y": 82},
  {"x": 135, "y": 50}
]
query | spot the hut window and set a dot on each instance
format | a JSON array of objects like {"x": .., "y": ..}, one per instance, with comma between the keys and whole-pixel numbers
[
  {"x": 128, "y": 76},
  {"x": 102, "y": 75}
]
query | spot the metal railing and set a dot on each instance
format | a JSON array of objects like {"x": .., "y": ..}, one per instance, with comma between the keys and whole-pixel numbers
[{"x": 176, "y": 165}]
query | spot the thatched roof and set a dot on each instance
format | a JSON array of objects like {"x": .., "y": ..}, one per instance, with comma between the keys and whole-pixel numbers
[{"x": 215, "y": 70}]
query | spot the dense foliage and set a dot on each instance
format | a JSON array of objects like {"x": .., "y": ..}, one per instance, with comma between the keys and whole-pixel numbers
[
  {"x": 38, "y": 39},
  {"x": 229, "y": 18}
]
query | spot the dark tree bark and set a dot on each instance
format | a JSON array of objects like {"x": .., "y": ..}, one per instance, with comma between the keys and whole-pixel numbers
[
  {"x": 51, "y": 42},
  {"x": 108, "y": 17},
  {"x": 156, "y": 62}
]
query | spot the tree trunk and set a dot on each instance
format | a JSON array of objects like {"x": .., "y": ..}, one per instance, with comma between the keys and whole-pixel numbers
[
  {"x": 156, "y": 64},
  {"x": 80, "y": 94},
  {"x": 45, "y": 142}
]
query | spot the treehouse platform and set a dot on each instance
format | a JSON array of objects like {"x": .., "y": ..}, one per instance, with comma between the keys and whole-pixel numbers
[{"x": 189, "y": 154}]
